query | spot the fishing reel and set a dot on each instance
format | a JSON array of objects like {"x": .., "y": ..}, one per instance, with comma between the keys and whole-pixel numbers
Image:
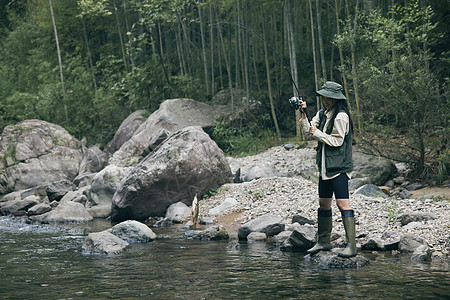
[{"x": 296, "y": 102}]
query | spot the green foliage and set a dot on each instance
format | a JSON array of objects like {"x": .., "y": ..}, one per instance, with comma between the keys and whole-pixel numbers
[{"x": 392, "y": 209}]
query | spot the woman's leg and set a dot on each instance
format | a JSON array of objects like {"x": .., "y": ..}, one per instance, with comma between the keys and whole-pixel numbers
[{"x": 340, "y": 187}]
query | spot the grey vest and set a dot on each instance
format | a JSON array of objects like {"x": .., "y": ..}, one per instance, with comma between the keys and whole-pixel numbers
[{"x": 337, "y": 159}]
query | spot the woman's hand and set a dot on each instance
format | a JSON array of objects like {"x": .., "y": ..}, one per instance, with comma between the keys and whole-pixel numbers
[{"x": 312, "y": 129}]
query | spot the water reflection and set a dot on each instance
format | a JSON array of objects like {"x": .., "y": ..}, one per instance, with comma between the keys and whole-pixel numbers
[{"x": 46, "y": 260}]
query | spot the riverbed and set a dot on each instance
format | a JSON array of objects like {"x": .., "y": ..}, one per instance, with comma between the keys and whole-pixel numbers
[{"x": 44, "y": 262}]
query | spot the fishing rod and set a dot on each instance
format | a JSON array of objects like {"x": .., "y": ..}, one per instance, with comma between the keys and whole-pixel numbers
[{"x": 296, "y": 102}]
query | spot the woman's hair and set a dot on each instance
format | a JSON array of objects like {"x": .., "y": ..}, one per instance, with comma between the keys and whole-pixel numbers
[{"x": 340, "y": 105}]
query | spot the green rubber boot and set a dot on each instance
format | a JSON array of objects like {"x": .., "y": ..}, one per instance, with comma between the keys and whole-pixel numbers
[
  {"x": 348, "y": 218},
  {"x": 324, "y": 226}
]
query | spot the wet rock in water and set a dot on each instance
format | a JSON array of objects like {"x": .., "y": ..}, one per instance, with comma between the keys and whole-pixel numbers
[
  {"x": 392, "y": 244},
  {"x": 178, "y": 212},
  {"x": 282, "y": 236},
  {"x": 409, "y": 243},
  {"x": 133, "y": 232},
  {"x": 373, "y": 244},
  {"x": 269, "y": 224},
  {"x": 421, "y": 254},
  {"x": 103, "y": 243},
  {"x": 330, "y": 260},
  {"x": 212, "y": 233},
  {"x": 303, "y": 238},
  {"x": 256, "y": 237}
]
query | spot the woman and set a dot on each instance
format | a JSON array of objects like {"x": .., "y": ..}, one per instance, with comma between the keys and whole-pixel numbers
[{"x": 332, "y": 127}]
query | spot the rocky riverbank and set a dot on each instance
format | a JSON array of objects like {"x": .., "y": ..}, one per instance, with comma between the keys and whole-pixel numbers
[{"x": 378, "y": 219}]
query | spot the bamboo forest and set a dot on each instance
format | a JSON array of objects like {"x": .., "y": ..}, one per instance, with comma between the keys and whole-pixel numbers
[{"x": 88, "y": 64}]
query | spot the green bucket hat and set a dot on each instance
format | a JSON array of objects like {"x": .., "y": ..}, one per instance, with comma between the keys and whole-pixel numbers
[{"x": 331, "y": 89}]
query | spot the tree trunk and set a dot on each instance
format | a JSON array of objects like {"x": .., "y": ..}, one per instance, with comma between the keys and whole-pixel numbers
[
  {"x": 355, "y": 77},
  {"x": 313, "y": 43},
  {"x": 227, "y": 63},
  {"x": 341, "y": 56},
  {"x": 61, "y": 74},
  {"x": 269, "y": 87},
  {"x": 319, "y": 33},
  {"x": 205, "y": 62},
  {"x": 119, "y": 32},
  {"x": 211, "y": 39},
  {"x": 292, "y": 58},
  {"x": 88, "y": 52}
]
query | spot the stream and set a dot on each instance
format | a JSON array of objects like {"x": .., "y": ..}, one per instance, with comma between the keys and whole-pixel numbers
[{"x": 44, "y": 262}]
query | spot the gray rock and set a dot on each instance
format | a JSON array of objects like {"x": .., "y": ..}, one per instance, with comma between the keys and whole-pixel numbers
[
  {"x": 282, "y": 236},
  {"x": 256, "y": 237},
  {"x": 133, "y": 232},
  {"x": 13, "y": 206},
  {"x": 308, "y": 171},
  {"x": 377, "y": 169},
  {"x": 414, "y": 186},
  {"x": 409, "y": 243},
  {"x": 213, "y": 233},
  {"x": 303, "y": 238},
  {"x": 56, "y": 190},
  {"x": 37, "y": 153},
  {"x": 178, "y": 212},
  {"x": 421, "y": 254},
  {"x": 103, "y": 187},
  {"x": 94, "y": 160},
  {"x": 172, "y": 115},
  {"x": 206, "y": 221},
  {"x": 226, "y": 204},
  {"x": 189, "y": 162},
  {"x": 416, "y": 217},
  {"x": 259, "y": 171},
  {"x": 373, "y": 244},
  {"x": 370, "y": 190},
  {"x": 84, "y": 179},
  {"x": 65, "y": 212},
  {"x": 356, "y": 183},
  {"x": 126, "y": 130},
  {"x": 39, "y": 209},
  {"x": 269, "y": 224},
  {"x": 302, "y": 220},
  {"x": 392, "y": 244},
  {"x": 103, "y": 243},
  {"x": 329, "y": 260}
]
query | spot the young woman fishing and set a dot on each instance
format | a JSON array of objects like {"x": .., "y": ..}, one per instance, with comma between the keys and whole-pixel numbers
[{"x": 332, "y": 127}]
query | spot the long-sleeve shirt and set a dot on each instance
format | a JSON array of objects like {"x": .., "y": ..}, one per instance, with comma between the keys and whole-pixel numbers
[{"x": 335, "y": 139}]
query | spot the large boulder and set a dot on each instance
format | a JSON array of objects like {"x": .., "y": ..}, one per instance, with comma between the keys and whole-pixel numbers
[
  {"x": 188, "y": 162},
  {"x": 375, "y": 170},
  {"x": 133, "y": 232},
  {"x": 171, "y": 116},
  {"x": 94, "y": 160},
  {"x": 126, "y": 130},
  {"x": 35, "y": 152}
]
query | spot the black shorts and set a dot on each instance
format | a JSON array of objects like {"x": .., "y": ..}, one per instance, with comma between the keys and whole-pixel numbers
[{"x": 338, "y": 185}]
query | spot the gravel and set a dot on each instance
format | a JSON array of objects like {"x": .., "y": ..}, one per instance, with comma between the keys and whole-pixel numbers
[{"x": 376, "y": 218}]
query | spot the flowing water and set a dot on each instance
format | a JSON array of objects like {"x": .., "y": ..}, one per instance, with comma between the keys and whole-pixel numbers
[{"x": 45, "y": 262}]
